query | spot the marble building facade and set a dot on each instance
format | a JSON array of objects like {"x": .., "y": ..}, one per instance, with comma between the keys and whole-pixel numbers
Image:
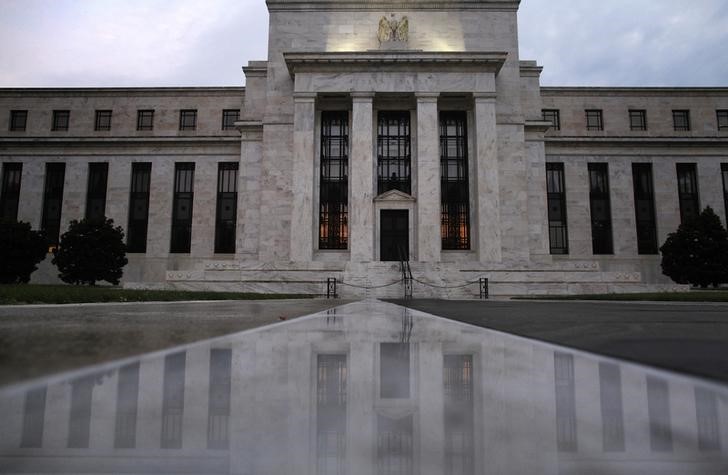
[{"x": 538, "y": 189}]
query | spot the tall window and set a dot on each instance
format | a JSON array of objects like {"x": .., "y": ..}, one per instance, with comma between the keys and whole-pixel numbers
[
  {"x": 459, "y": 415},
  {"x": 722, "y": 119},
  {"x": 145, "y": 119},
  {"x": 455, "y": 194},
  {"x": 53, "y": 200},
  {"x": 10, "y": 193},
  {"x": 553, "y": 116},
  {"x": 644, "y": 207},
  {"x": 184, "y": 177},
  {"x": 681, "y": 120},
  {"x": 724, "y": 172},
  {"x": 96, "y": 191},
  {"x": 18, "y": 121},
  {"x": 687, "y": 187},
  {"x": 173, "y": 400},
  {"x": 601, "y": 214},
  {"x": 127, "y": 400},
  {"x": 594, "y": 120},
  {"x": 136, "y": 234},
  {"x": 229, "y": 117},
  {"x": 103, "y": 120},
  {"x": 394, "y": 152},
  {"x": 565, "y": 385},
  {"x": 60, "y": 120},
  {"x": 610, "y": 391},
  {"x": 395, "y": 437},
  {"x": 334, "y": 188},
  {"x": 638, "y": 120},
  {"x": 331, "y": 397},
  {"x": 556, "y": 197},
  {"x": 227, "y": 207},
  {"x": 188, "y": 119},
  {"x": 218, "y": 420}
]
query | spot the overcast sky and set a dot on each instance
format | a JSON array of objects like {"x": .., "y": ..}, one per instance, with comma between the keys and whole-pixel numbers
[{"x": 205, "y": 43}]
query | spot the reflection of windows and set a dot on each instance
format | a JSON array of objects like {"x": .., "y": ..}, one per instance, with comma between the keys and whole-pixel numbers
[
  {"x": 138, "y": 207},
  {"x": 565, "y": 402},
  {"x": 601, "y": 213},
  {"x": 644, "y": 207},
  {"x": 218, "y": 420},
  {"x": 127, "y": 397},
  {"x": 610, "y": 389},
  {"x": 394, "y": 370},
  {"x": 52, "y": 200},
  {"x": 173, "y": 401},
  {"x": 556, "y": 197},
  {"x": 33, "y": 418},
  {"x": 459, "y": 417},
  {"x": 10, "y": 193},
  {"x": 227, "y": 207},
  {"x": 687, "y": 187},
  {"x": 455, "y": 195},
  {"x": 96, "y": 191},
  {"x": 334, "y": 184},
  {"x": 331, "y": 395},
  {"x": 394, "y": 445},
  {"x": 184, "y": 175},
  {"x": 393, "y": 152},
  {"x": 706, "y": 408},
  {"x": 80, "y": 421},
  {"x": 658, "y": 406}
]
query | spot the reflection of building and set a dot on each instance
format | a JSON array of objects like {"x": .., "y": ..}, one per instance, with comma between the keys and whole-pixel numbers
[
  {"x": 348, "y": 394},
  {"x": 345, "y": 149}
]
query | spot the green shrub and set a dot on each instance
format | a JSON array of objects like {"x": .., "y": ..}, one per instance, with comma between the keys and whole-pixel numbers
[
  {"x": 697, "y": 253},
  {"x": 91, "y": 251},
  {"x": 21, "y": 249}
]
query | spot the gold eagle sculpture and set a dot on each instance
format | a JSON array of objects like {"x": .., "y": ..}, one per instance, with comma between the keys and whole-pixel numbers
[{"x": 393, "y": 30}]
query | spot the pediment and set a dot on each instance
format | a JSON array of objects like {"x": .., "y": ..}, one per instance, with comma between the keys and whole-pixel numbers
[{"x": 395, "y": 196}]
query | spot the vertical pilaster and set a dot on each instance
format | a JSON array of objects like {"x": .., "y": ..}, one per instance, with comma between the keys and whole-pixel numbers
[
  {"x": 428, "y": 179},
  {"x": 361, "y": 218},
  {"x": 303, "y": 178},
  {"x": 486, "y": 166}
]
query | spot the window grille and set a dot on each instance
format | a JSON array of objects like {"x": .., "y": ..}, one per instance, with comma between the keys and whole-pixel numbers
[
  {"x": 566, "y": 438},
  {"x": 96, "y": 191},
  {"x": 218, "y": 420},
  {"x": 600, "y": 207},
  {"x": 687, "y": 185},
  {"x": 556, "y": 198},
  {"x": 138, "y": 207},
  {"x": 10, "y": 193},
  {"x": 334, "y": 181},
  {"x": 637, "y": 120},
  {"x": 173, "y": 400},
  {"x": 594, "y": 120},
  {"x": 454, "y": 183},
  {"x": 184, "y": 175},
  {"x": 227, "y": 207},
  {"x": 61, "y": 120},
  {"x": 188, "y": 119},
  {"x": 103, "y": 120},
  {"x": 394, "y": 152},
  {"x": 331, "y": 402},
  {"x": 229, "y": 117},
  {"x": 145, "y": 119},
  {"x": 644, "y": 205},
  {"x": 53, "y": 201},
  {"x": 553, "y": 116},
  {"x": 681, "y": 120},
  {"x": 18, "y": 121},
  {"x": 459, "y": 415}
]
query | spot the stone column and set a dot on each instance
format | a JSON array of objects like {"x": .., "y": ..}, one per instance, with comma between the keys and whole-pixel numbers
[
  {"x": 361, "y": 218},
  {"x": 303, "y": 178},
  {"x": 429, "y": 241},
  {"x": 486, "y": 183}
]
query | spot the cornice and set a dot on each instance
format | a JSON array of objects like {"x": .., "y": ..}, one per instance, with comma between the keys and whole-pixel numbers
[
  {"x": 83, "y": 141},
  {"x": 638, "y": 141},
  {"x": 367, "y": 61},
  {"x": 120, "y": 91},
  {"x": 389, "y": 5},
  {"x": 632, "y": 91}
]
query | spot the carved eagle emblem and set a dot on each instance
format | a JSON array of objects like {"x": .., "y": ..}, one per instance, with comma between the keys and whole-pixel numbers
[{"x": 393, "y": 30}]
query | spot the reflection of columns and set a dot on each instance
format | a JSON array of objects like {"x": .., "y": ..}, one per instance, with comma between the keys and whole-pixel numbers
[
  {"x": 149, "y": 422},
  {"x": 361, "y": 220},
  {"x": 303, "y": 178},
  {"x": 486, "y": 166},
  {"x": 432, "y": 420},
  {"x": 361, "y": 427},
  {"x": 196, "y": 381},
  {"x": 58, "y": 406},
  {"x": 103, "y": 411},
  {"x": 428, "y": 179}
]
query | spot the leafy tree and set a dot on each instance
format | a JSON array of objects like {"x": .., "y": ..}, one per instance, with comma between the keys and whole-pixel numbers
[
  {"x": 697, "y": 253},
  {"x": 91, "y": 251},
  {"x": 21, "y": 249}
]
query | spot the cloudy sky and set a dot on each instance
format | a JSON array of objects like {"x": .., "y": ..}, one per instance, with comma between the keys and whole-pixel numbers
[{"x": 195, "y": 43}]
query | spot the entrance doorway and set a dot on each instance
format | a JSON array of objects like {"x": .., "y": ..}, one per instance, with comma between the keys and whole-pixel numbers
[{"x": 394, "y": 235}]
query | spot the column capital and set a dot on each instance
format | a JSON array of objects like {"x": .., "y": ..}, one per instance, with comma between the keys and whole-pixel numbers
[
  {"x": 485, "y": 96},
  {"x": 427, "y": 96},
  {"x": 304, "y": 96},
  {"x": 362, "y": 96}
]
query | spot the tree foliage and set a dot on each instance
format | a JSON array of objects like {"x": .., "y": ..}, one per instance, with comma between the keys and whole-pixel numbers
[
  {"x": 697, "y": 253},
  {"x": 91, "y": 251},
  {"x": 21, "y": 249}
]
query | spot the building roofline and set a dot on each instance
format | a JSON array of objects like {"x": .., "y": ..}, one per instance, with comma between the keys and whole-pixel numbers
[
  {"x": 390, "y": 5},
  {"x": 652, "y": 90},
  {"x": 120, "y": 90}
]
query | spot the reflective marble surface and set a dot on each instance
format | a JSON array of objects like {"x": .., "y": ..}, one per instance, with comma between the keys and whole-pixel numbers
[{"x": 367, "y": 388}]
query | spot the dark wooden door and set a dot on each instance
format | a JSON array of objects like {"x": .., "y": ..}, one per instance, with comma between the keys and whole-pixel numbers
[{"x": 394, "y": 235}]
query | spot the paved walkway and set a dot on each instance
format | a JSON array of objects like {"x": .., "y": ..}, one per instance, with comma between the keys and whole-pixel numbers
[
  {"x": 689, "y": 338},
  {"x": 39, "y": 340}
]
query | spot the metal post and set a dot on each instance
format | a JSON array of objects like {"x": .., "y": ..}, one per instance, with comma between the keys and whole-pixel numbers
[
  {"x": 331, "y": 288},
  {"x": 483, "y": 288},
  {"x": 407, "y": 288}
]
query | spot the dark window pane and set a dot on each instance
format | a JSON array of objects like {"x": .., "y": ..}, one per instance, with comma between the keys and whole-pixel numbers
[
  {"x": 188, "y": 119},
  {"x": 334, "y": 182},
  {"x": 103, "y": 120},
  {"x": 658, "y": 406},
  {"x": 556, "y": 202},
  {"x": 454, "y": 182},
  {"x": 145, "y": 120},
  {"x": 182, "y": 207},
  {"x": 18, "y": 121},
  {"x": 227, "y": 199},
  {"x": 681, "y": 120},
  {"x": 644, "y": 201},
  {"x": 394, "y": 370},
  {"x": 33, "y": 418},
  {"x": 10, "y": 192},
  {"x": 706, "y": 409},
  {"x": 553, "y": 116},
  {"x": 53, "y": 200},
  {"x": 138, "y": 207},
  {"x": 79, "y": 424},
  {"x": 610, "y": 388},
  {"x": 638, "y": 120},
  {"x": 393, "y": 152},
  {"x": 594, "y": 120},
  {"x": 96, "y": 191},
  {"x": 173, "y": 400},
  {"x": 218, "y": 421},
  {"x": 600, "y": 206},
  {"x": 127, "y": 399},
  {"x": 687, "y": 184},
  {"x": 229, "y": 117},
  {"x": 61, "y": 120},
  {"x": 722, "y": 119},
  {"x": 724, "y": 172}
]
